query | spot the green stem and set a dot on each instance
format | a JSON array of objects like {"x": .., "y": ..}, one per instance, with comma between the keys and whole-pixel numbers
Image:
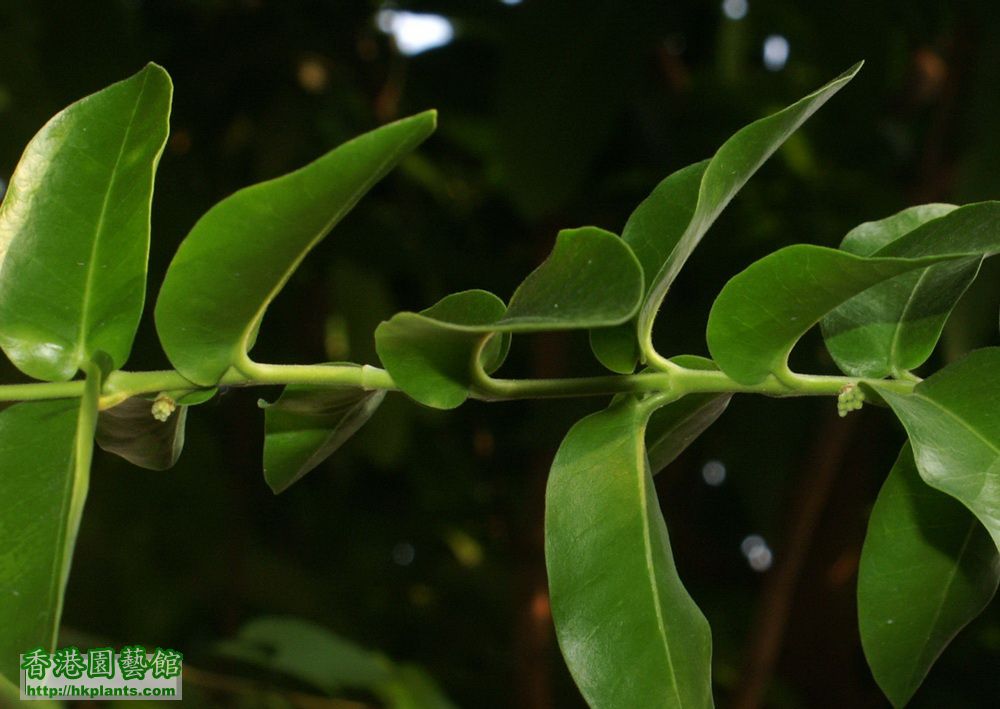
[
  {"x": 41, "y": 390},
  {"x": 490, "y": 389},
  {"x": 676, "y": 380},
  {"x": 363, "y": 377}
]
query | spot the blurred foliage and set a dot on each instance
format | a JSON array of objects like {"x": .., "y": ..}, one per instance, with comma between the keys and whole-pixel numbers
[{"x": 422, "y": 537}]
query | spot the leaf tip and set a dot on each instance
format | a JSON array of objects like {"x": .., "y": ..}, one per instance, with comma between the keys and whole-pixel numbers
[
  {"x": 153, "y": 69},
  {"x": 276, "y": 488},
  {"x": 427, "y": 119}
]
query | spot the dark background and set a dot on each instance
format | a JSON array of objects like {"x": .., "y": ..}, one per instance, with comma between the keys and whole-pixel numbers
[{"x": 422, "y": 537}]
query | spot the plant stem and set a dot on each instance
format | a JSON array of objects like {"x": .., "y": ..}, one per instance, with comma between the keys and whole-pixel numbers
[
  {"x": 490, "y": 389},
  {"x": 678, "y": 381},
  {"x": 41, "y": 390}
]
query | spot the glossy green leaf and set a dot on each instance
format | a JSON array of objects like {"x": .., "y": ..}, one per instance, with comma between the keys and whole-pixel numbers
[
  {"x": 667, "y": 227},
  {"x": 669, "y": 224},
  {"x": 130, "y": 431},
  {"x": 656, "y": 233},
  {"x": 307, "y": 424},
  {"x": 971, "y": 229},
  {"x": 242, "y": 251},
  {"x": 927, "y": 568},
  {"x": 74, "y": 229},
  {"x": 893, "y": 327},
  {"x": 591, "y": 279},
  {"x": 429, "y": 353},
  {"x": 953, "y": 421},
  {"x": 630, "y": 633},
  {"x": 867, "y": 238},
  {"x": 45, "y": 453},
  {"x": 672, "y": 428},
  {"x": 763, "y": 311}
]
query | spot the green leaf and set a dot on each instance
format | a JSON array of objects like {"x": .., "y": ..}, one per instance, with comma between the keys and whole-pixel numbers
[
  {"x": 672, "y": 428},
  {"x": 45, "y": 453},
  {"x": 972, "y": 229},
  {"x": 130, "y": 431},
  {"x": 307, "y": 424},
  {"x": 10, "y": 695},
  {"x": 762, "y": 312},
  {"x": 74, "y": 229},
  {"x": 630, "y": 633},
  {"x": 428, "y": 354},
  {"x": 927, "y": 568},
  {"x": 242, "y": 251},
  {"x": 196, "y": 397},
  {"x": 9, "y": 692},
  {"x": 591, "y": 279},
  {"x": 412, "y": 688},
  {"x": 307, "y": 652},
  {"x": 654, "y": 231},
  {"x": 954, "y": 424},
  {"x": 314, "y": 655},
  {"x": 867, "y": 238},
  {"x": 893, "y": 327},
  {"x": 667, "y": 227},
  {"x": 472, "y": 308},
  {"x": 616, "y": 347}
]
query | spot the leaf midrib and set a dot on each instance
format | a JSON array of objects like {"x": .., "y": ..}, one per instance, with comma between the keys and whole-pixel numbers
[
  {"x": 242, "y": 345},
  {"x": 702, "y": 219},
  {"x": 898, "y": 325},
  {"x": 640, "y": 468},
  {"x": 944, "y": 595},
  {"x": 982, "y": 437},
  {"x": 81, "y": 348}
]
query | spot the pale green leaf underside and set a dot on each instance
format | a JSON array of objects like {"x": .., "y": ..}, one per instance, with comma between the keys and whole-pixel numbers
[
  {"x": 763, "y": 311},
  {"x": 242, "y": 251},
  {"x": 74, "y": 229},
  {"x": 45, "y": 453},
  {"x": 616, "y": 347},
  {"x": 953, "y": 421},
  {"x": 927, "y": 569},
  {"x": 630, "y": 633},
  {"x": 894, "y": 326},
  {"x": 430, "y": 354},
  {"x": 590, "y": 279},
  {"x": 307, "y": 424}
]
